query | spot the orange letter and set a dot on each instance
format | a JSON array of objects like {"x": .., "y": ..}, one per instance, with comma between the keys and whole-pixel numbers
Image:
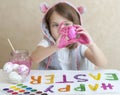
[
  {"x": 35, "y": 81},
  {"x": 65, "y": 89}
]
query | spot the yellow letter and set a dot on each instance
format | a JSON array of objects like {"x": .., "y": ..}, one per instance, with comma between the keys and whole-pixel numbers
[
  {"x": 50, "y": 78},
  {"x": 95, "y": 77},
  {"x": 93, "y": 87}
]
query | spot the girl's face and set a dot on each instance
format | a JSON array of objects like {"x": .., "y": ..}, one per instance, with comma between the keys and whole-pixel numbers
[{"x": 55, "y": 21}]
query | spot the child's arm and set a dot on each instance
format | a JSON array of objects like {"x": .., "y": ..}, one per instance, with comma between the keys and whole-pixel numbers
[
  {"x": 95, "y": 55},
  {"x": 41, "y": 53}
]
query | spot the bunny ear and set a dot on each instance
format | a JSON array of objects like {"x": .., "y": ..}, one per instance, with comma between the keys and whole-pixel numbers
[
  {"x": 44, "y": 7},
  {"x": 81, "y": 9}
]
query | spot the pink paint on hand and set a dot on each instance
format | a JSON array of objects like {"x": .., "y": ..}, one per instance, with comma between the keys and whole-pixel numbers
[{"x": 69, "y": 35}]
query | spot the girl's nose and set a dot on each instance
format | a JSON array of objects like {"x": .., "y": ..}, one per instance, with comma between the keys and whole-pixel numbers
[{"x": 61, "y": 25}]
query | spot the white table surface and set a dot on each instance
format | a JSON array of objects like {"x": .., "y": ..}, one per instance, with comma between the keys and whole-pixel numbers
[{"x": 4, "y": 83}]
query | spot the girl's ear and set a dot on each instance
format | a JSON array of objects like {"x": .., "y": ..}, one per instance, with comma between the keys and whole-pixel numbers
[
  {"x": 81, "y": 9},
  {"x": 44, "y": 7}
]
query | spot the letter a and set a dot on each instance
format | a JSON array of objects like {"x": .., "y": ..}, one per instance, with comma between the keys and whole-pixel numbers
[
  {"x": 94, "y": 88},
  {"x": 96, "y": 77}
]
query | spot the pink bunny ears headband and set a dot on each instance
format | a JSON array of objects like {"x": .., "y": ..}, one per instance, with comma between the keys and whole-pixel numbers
[{"x": 44, "y": 8}]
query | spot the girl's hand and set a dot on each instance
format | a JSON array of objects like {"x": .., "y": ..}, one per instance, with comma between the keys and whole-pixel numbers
[
  {"x": 57, "y": 41},
  {"x": 83, "y": 33}
]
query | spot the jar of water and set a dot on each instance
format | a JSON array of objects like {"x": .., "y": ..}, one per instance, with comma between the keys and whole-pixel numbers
[{"x": 18, "y": 67}]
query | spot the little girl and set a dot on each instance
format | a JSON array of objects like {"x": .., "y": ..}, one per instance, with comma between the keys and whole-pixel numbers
[{"x": 75, "y": 56}]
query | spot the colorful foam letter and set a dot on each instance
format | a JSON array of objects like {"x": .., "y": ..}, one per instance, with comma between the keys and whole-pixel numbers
[
  {"x": 80, "y": 79},
  {"x": 94, "y": 88},
  {"x": 104, "y": 86},
  {"x": 50, "y": 78},
  {"x": 111, "y": 76},
  {"x": 66, "y": 89},
  {"x": 49, "y": 89},
  {"x": 35, "y": 80},
  {"x": 95, "y": 77},
  {"x": 80, "y": 88},
  {"x": 65, "y": 80}
]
